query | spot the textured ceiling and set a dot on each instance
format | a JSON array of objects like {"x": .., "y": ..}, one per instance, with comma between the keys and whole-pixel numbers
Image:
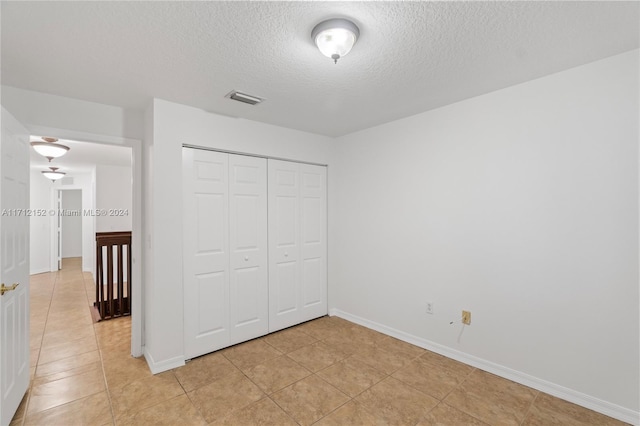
[{"x": 411, "y": 56}]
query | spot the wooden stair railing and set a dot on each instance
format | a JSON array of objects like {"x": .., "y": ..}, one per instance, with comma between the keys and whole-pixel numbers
[{"x": 113, "y": 296}]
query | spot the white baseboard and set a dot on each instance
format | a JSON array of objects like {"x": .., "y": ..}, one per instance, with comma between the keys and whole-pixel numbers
[
  {"x": 159, "y": 367},
  {"x": 39, "y": 271},
  {"x": 579, "y": 398}
]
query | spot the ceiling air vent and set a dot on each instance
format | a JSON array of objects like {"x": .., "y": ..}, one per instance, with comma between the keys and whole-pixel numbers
[{"x": 242, "y": 97}]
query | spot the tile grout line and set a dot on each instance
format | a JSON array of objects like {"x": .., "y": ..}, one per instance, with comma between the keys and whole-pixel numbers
[
  {"x": 526, "y": 414},
  {"x": 95, "y": 335},
  {"x": 31, "y": 381}
]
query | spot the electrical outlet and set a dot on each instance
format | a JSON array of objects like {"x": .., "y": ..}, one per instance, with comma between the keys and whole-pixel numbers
[
  {"x": 466, "y": 317},
  {"x": 429, "y": 308}
]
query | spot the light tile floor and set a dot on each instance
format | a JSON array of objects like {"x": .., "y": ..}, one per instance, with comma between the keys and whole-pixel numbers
[{"x": 325, "y": 372}]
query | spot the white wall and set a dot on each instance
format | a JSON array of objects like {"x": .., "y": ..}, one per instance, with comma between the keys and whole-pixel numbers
[
  {"x": 72, "y": 223},
  {"x": 113, "y": 195},
  {"x": 43, "y": 235},
  {"x": 40, "y": 232},
  {"x": 172, "y": 125},
  {"x": 36, "y": 109},
  {"x": 521, "y": 206}
]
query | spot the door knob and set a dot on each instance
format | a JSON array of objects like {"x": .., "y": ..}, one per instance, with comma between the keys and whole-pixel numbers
[
  {"x": 286, "y": 255},
  {"x": 246, "y": 258},
  {"x": 4, "y": 289}
]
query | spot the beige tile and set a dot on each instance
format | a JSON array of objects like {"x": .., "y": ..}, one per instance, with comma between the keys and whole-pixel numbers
[
  {"x": 492, "y": 399},
  {"x": 395, "y": 346},
  {"x": 324, "y": 327},
  {"x": 68, "y": 363},
  {"x": 427, "y": 378},
  {"x": 350, "y": 340},
  {"x": 309, "y": 399},
  {"x": 53, "y": 394},
  {"x": 289, "y": 340},
  {"x": 351, "y": 376},
  {"x": 452, "y": 366},
  {"x": 85, "y": 368},
  {"x": 263, "y": 412},
  {"x": 382, "y": 360},
  {"x": 91, "y": 410},
  {"x": 352, "y": 414},
  {"x": 120, "y": 371},
  {"x": 317, "y": 356},
  {"x": 177, "y": 411},
  {"x": 396, "y": 403},
  {"x": 247, "y": 355},
  {"x": 141, "y": 394},
  {"x": 549, "y": 410},
  {"x": 68, "y": 334},
  {"x": 277, "y": 373},
  {"x": 67, "y": 348},
  {"x": 204, "y": 370},
  {"x": 446, "y": 415},
  {"x": 219, "y": 399}
]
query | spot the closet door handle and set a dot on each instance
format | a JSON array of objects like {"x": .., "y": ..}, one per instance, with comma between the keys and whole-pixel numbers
[
  {"x": 246, "y": 258},
  {"x": 286, "y": 254}
]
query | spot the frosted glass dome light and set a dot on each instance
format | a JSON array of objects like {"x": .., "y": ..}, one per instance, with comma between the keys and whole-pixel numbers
[
  {"x": 335, "y": 37},
  {"x": 49, "y": 148},
  {"x": 53, "y": 174}
]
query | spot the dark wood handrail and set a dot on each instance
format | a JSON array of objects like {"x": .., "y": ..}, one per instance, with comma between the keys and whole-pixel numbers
[{"x": 110, "y": 303}]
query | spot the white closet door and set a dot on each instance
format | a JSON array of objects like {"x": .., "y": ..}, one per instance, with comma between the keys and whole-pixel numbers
[
  {"x": 249, "y": 308},
  {"x": 205, "y": 251},
  {"x": 313, "y": 241},
  {"x": 297, "y": 243}
]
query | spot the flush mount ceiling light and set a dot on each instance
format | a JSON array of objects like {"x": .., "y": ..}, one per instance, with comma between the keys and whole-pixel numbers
[
  {"x": 53, "y": 174},
  {"x": 49, "y": 148},
  {"x": 335, "y": 37}
]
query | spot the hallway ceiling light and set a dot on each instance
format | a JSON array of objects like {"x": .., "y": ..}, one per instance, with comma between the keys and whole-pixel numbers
[
  {"x": 53, "y": 174},
  {"x": 335, "y": 37},
  {"x": 49, "y": 148}
]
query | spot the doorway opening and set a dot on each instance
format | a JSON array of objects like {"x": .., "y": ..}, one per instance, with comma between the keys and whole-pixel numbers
[{"x": 105, "y": 174}]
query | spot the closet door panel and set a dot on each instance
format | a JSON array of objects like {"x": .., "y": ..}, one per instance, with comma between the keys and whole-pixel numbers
[
  {"x": 313, "y": 245},
  {"x": 284, "y": 244},
  {"x": 249, "y": 309},
  {"x": 297, "y": 243},
  {"x": 205, "y": 251}
]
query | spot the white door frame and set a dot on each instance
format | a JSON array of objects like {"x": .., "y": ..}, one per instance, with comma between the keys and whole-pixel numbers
[{"x": 137, "y": 327}]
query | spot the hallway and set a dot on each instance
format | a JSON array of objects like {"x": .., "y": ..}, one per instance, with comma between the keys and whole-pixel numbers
[{"x": 74, "y": 361}]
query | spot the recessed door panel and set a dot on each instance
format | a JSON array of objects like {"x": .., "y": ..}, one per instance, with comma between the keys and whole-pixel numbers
[
  {"x": 247, "y": 212},
  {"x": 311, "y": 285},
  {"x": 287, "y": 288},
  {"x": 211, "y": 223},
  {"x": 312, "y": 215},
  {"x": 212, "y": 303},
  {"x": 287, "y": 221}
]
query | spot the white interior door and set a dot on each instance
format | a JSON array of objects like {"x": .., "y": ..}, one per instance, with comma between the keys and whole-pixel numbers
[
  {"x": 297, "y": 243},
  {"x": 14, "y": 270},
  {"x": 248, "y": 286},
  {"x": 205, "y": 251}
]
